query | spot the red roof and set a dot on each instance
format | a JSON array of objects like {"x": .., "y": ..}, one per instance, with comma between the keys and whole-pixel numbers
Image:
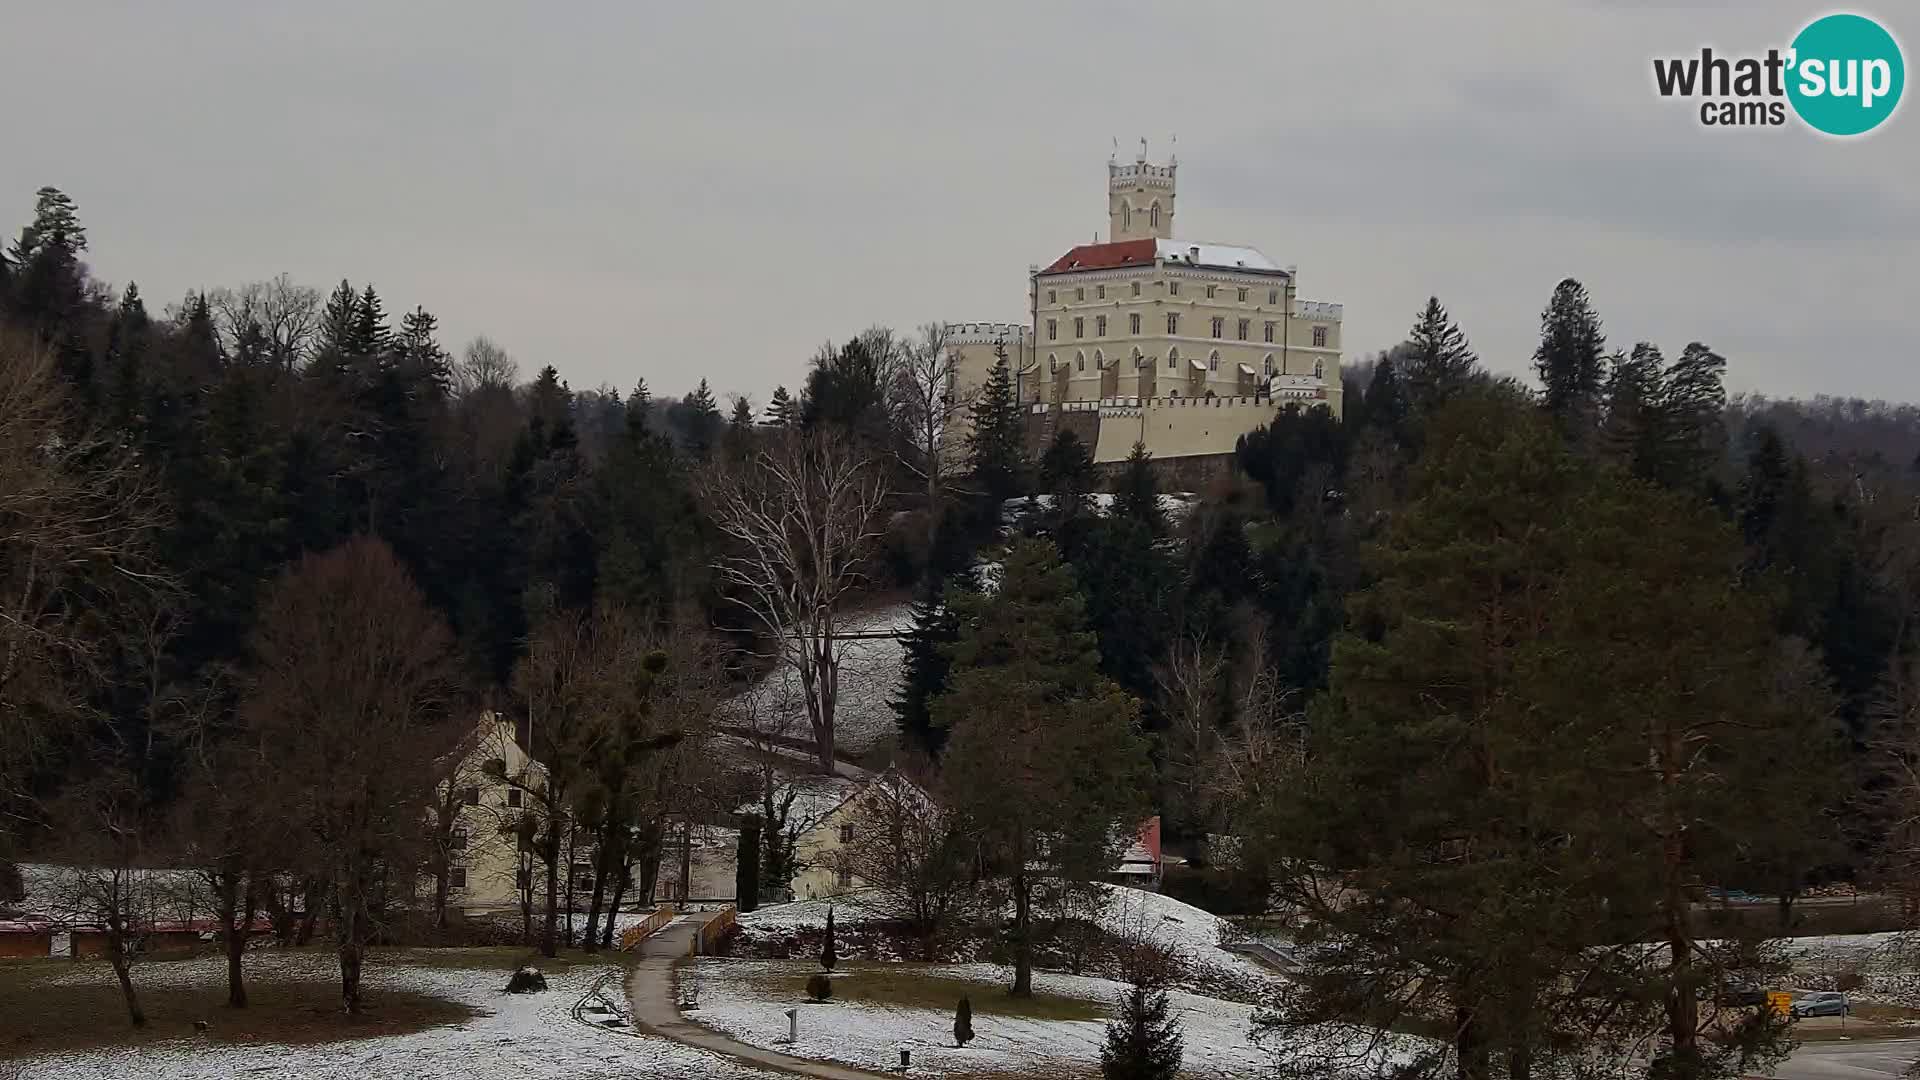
[{"x": 1105, "y": 256}]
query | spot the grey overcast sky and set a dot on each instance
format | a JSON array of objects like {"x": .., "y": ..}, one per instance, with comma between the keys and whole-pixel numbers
[{"x": 623, "y": 188}]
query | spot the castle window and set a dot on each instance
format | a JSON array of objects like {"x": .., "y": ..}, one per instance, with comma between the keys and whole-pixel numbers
[
  {"x": 1173, "y": 359},
  {"x": 1242, "y": 296},
  {"x": 1080, "y": 361},
  {"x": 1153, "y": 215},
  {"x": 1243, "y": 329},
  {"x": 1050, "y": 296},
  {"x": 1053, "y": 329},
  {"x": 1133, "y": 322},
  {"x": 1319, "y": 369},
  {"x": 1126, "y": 215},
  {"x": 1080, "y": 293},
  {"x": 1100, "y": 292},
  {"x": 1173, "y": 288},
  {"x": 1213, "y": 362},
  {"x": 1219, "y": 326},
  {"x": 1136, "y": 288},
  {"x": 1268, "y": 366},
  {"x": 1210, "y": 291},
  {"x": 1319, "y": 337},
  {"x": 1080, "y": 327},
  {"x": 1173, "y": 322},
  {"x": 1273, "y": 296},
  {"x": 1053, "y": 363},
  {"x": 1100, "y": 326},
  {"x": 1269, "y": 333}
]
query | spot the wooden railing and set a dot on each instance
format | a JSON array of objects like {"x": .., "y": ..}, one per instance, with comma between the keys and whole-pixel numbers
[
  {"x": 640, "y": 931},
  {"x": 712, "y": 931}
]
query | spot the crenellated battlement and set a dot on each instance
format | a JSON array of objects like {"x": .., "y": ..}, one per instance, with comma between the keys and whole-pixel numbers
[
  {"x": 987, "y": 333},
  {"x": 1318, "y": 309},
  {"x": 1140, "y": 174}
]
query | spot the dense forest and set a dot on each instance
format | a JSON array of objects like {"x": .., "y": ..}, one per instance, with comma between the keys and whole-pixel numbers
[{"x": 1476, "y": 599}]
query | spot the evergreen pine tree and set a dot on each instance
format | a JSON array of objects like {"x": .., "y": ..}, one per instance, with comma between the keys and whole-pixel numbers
[
  {"x": 1437, "y": 362},
  {"x": 639, "y": 407},
  {"x": 333, "y": 343},
  {"x": 741, "y": 418},
  {"x": 1143, "y": 1042},
  {"x": 782, "y": 411},
  {"x": 1385, "y": 404},
  {"x": 1138, "y": 498},
  {"x": 1569, "y": 359},
  {"x": 925, "y": 663},
  {"x": 1066, "y": 473},
  {"x": 996, "y": 445},
  {"x": 703, "y": 423},
  {"x": 371, "y": 337},
  {"x": 746, "y": 864},
  {"x": 963, "y": 1022}
]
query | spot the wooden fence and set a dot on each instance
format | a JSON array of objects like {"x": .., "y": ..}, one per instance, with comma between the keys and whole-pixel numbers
[
  {"x": 638, "y": 932},
  {"x": 712, "y": 931}
]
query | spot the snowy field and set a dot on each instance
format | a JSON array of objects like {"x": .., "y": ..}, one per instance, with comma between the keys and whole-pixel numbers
[
  {"x": 733, "y": 1000},
  {"x": 522, "y": 1037},
  {"x": 869, "y": 678}
]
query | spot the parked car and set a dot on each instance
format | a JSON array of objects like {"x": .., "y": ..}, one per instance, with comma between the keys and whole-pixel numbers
[{"x": 1822, "y": 1003}]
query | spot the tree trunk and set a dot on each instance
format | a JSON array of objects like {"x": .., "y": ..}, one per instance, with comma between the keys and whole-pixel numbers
[
  {"x": 572, "y": 860},
  {"x": 602, "y": 848},
  {"x": 311, "y": 896},
  {"x": 550, "y": 856},
  {"x": 624, "y": 869},
  {"x": 1022, "y": 933},
  {"x": 1469, "y": 1050},
  {"x": 122, "y": 970},
  {"x": 351, "y": 936},
  {"x": 686, "y": 863}
]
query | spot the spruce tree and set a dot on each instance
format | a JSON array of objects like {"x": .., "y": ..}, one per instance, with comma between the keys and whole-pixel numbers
[
  {"x": 996, "y": 443},
  {"x": 782, "y": 411},
  {"x": 925, "y": 663},
  {"x": 1044, "y": 756},
  {"x": 829, "y": 948},
  {"x": 1437, "y": 361},
  {"x": 963, "y": 1022},
  {"x": 1143, "y": 1042},
  {"x": 741, "y": 417},
  {"x": 1569, "y": 359},
  {"x": 1386, "y": 399},
  {"x": 1138, "y": 497},
  {"x": 703, "y": 421},
  {"x": 1066, "y": 473}
]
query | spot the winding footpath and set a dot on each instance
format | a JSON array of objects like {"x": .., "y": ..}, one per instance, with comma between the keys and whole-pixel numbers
[{"x": 651, "y": 996}]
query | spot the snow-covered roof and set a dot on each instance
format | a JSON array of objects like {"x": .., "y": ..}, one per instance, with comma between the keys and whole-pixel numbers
[
  {"x": 1246, "y": 369},
  {"x": 1204, "y": 254}
]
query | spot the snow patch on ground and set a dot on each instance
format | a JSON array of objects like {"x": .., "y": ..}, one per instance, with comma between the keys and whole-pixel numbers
[
  {"x": 1218, "y": 1033},
  {"x": 863, "y": 715},
  {"x": 517, "y": 1036}
]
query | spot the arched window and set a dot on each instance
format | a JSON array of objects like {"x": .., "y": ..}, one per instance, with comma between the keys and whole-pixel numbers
[
  {"x": 1173, "y": 359},
  {"x": 1139, "y": 361},
  {"x": 1319, "y": 369},
  {"x": 1099, "y": 361},
  {"x": 1126, "y": 215},
  {"x": 1153, "y": 215},
  {"x": 1079, "y": 361},
  {"x": 1053, "y": 364},
  {"x": 1268, "y": 365},
  {"x": 1213, "y": 362}
]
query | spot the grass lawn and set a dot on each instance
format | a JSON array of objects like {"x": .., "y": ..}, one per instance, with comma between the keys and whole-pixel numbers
[
  {"x": 60, "y": 1005},
  {"x": 914, "y": 986}
]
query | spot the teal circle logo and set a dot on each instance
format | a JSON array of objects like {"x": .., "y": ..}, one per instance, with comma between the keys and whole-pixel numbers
[{"x": 1846, "y": 74}]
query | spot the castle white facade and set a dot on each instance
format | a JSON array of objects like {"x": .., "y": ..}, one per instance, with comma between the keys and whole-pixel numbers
[{"x": 1183, "y": 345}]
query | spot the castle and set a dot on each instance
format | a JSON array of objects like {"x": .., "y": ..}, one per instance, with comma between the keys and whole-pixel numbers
[{"x": 1182, "y": 346}]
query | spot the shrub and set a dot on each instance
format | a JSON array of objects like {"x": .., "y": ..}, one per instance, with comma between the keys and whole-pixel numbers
[
  {"x": 1848, "y": 981},
  {"x": 963, "y": 1022},
  {"x": 819, "y": 987}
]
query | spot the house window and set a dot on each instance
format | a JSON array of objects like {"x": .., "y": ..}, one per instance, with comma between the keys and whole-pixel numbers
[
  {"x": 1273, "y": 296},
  {"x": 1136, "y": 288},
  {"x": 1050, "y": 296},
  {"x": 1173, "y": 322},
  {"x": 513, "y": 796},
  {"x": 1319, "y": 337},
  {"x": 1173, "y": 359},
  {"x": 1210, "y": 290},
  {"x": 471, "y": 796},
  {"x": 844, "y": 877},
  {"x": 1080, "y": 293},
  {"x": 1080, "y": 327},
  {"x": 457, "y": 877},
  {"x": 1242, "y": 295},
  {"x": 1100, "y": 326},
  {"x": 846, "y": 833},
  {"x": 1133, "y": 323},
  {"x": 1173, "y": 288},
  {"x": 1100, "y": 292},
  {"x": 1053, "y": 329},
  {"x": 458, "y": 840},
  {"x": 1269, "y": 333},
  {"x": 1219, "y": 326},
  {"x": 1243, "y": 329}
]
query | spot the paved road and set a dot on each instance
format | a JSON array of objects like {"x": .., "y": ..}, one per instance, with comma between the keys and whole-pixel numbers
[
  {"x": 1865, "y": 1059},
  {"x": 651, "y": 996}
]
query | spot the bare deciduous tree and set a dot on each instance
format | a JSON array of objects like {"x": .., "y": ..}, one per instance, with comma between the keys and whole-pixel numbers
[
  {"x": 284, "y": 315},
  {"x": 484, "y": 365},
  {"x": 800, "y": 521},
  {"x": 101, "y": 886},
  {"x": 910, "y": 857},
  {"x": 930, "y": 407},
  {"x": 355, "y": 695}
]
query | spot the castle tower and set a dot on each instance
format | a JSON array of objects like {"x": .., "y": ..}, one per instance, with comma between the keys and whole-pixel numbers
[{"x": 1140, "y": 198}]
